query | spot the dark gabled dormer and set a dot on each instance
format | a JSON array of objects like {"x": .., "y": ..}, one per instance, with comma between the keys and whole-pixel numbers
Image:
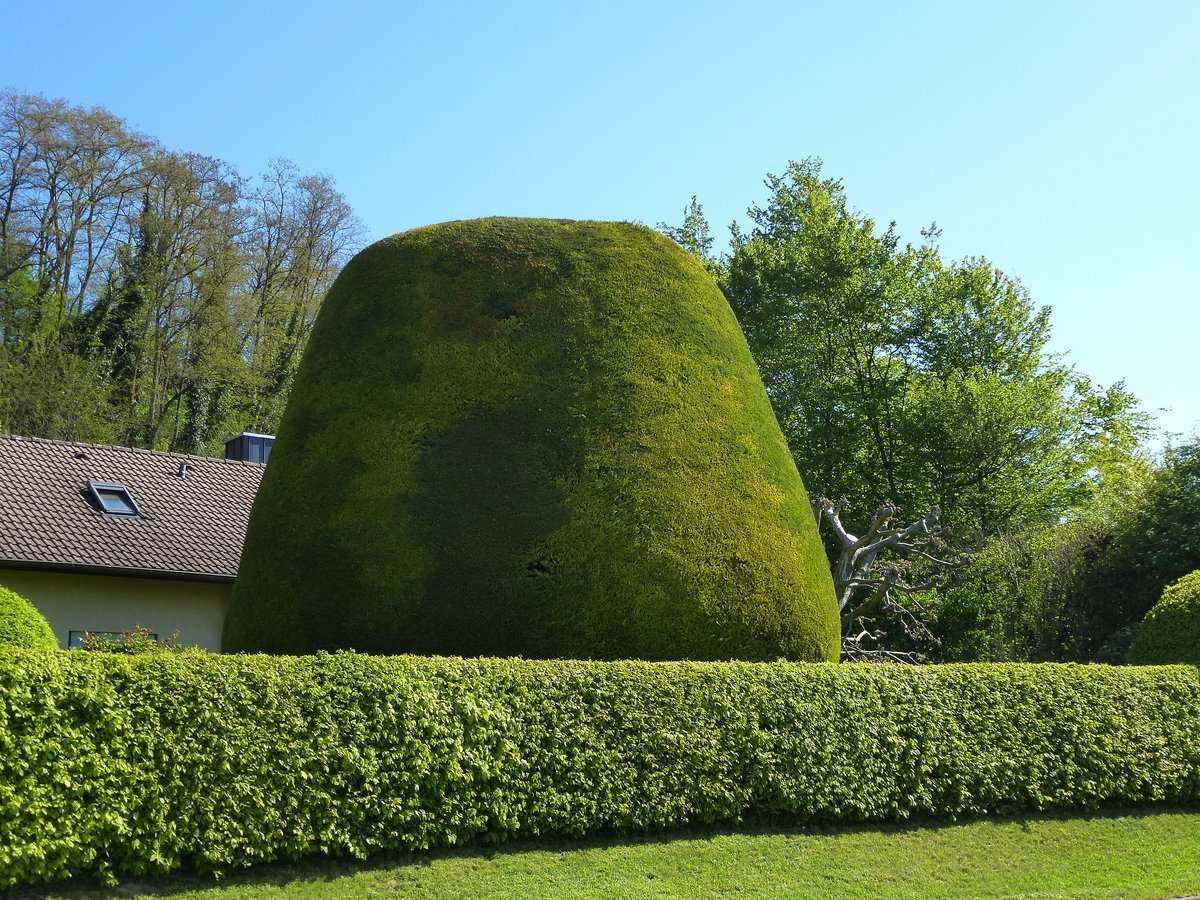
[{"x": 250, "y": 447}]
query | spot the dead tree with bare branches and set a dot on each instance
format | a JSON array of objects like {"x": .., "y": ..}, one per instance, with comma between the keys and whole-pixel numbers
[{"x": 868, "y": 588}]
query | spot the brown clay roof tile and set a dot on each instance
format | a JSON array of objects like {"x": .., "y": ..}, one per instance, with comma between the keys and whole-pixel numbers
[{"x": 191, "y": 527}]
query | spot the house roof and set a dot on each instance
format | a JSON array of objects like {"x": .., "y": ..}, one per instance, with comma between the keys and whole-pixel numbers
[{"x": 186, "y": 528}]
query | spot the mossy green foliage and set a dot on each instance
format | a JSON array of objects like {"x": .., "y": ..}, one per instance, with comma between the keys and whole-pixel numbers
[
  {"x": 118, "y": 764},
  {"x": 21, "y": 625},
  {"x": 1170, "y": 633},
  {"x": 534, "y": 437}
]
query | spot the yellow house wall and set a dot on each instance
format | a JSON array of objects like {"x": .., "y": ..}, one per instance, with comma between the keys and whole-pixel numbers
[{"x": 78, "y": 602}]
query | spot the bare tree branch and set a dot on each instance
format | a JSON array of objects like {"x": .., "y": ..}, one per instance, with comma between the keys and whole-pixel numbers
[{"x": 866, "y": 590}]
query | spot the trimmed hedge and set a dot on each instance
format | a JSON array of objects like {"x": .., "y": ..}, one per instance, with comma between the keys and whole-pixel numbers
[
  {"x": 1170, "y": 633},
  {"x": 116, "y": 764},
  {"x": 538, "y": 438},
  {"x": 21, "y": 625}
]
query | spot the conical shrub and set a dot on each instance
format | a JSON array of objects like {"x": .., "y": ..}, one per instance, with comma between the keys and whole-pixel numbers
[{"x": 531, "y": 437}]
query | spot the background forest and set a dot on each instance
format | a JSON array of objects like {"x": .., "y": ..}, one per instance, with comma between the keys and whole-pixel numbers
[
  {"x": 149, "y": 297},
  {"x": 159, "y": 299}
]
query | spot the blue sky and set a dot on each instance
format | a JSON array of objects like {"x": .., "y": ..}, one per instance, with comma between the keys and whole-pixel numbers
[{"x": 1058, "y": 139}]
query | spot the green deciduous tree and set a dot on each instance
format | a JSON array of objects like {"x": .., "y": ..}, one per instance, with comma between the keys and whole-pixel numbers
[
  {"x": 906, "y": 381},
  {"x": 901, "y": 378},
  {"x": 46, "y": 390}
]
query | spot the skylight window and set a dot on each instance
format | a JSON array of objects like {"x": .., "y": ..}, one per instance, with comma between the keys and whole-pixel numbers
[{"x": 114, "y": 498}]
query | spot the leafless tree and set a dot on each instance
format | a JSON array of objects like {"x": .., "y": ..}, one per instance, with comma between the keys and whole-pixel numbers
[
  {"x": 69, "y": 178},
  {"x": 869, "y": 588},
  {"x": 301, "y": 232}
]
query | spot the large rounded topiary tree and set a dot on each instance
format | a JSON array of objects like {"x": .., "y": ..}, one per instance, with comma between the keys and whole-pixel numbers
[
  {"x": 1170, "y": 633},
  {"x": 21, "y": 625},
  {"x": 535, "y": 437}
]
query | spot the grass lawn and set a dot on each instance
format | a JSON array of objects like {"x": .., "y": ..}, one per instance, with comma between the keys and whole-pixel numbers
[{"x": 1138, "y": 853}]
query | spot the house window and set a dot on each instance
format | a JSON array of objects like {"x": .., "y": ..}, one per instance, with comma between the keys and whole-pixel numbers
[{"x": 114, "y": 498}]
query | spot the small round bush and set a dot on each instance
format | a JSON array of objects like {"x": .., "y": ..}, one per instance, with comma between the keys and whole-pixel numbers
[
  {"x": 21, "y": 625},
  {"x": 1171, "y": 631}
]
